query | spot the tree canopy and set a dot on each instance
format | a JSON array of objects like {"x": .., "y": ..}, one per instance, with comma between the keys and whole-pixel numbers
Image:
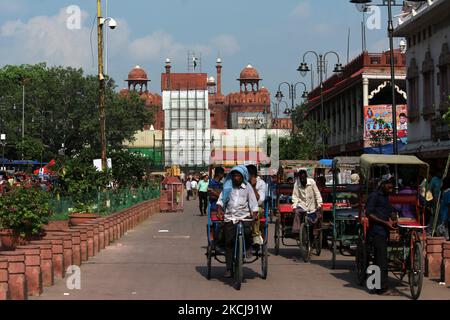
[{"x": 61, "y": 108}]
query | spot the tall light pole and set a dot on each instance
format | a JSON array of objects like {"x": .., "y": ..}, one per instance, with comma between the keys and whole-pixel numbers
[
  {"x": 389, "y": 4},
  {"x": 101, "y": 82},
  {"x": 321, "y": 69},
  {"x": 3, "y": 141},
  {"x": 24, "y": 82}
]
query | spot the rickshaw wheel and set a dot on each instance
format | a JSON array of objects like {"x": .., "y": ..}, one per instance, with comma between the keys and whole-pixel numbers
[
  {"x": 238, "y": 264},
  {"x": 264, "y": 261},
  {"x": 304, "y": 243},
  {"x": 277, "y": 236},
  {"x": 361, "y": 258},
  {"x": 209, "y": 259},
  {"x": 415, "y": 273}
]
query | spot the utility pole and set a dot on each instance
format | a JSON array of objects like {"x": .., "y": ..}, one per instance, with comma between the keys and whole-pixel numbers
[{"x": 101, "y": 80}]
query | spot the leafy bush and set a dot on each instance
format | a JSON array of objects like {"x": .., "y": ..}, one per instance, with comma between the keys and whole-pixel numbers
[{"x": 25, "y": 210}]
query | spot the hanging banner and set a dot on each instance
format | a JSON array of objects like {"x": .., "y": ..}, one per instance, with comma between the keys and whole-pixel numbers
[{"x": 384, "y": 112}]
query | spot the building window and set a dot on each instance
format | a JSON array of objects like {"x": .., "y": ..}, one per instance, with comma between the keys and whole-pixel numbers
[
  {"x": 428, "y": 86},
  {"x": 444, "y": 71},
  {"x": 413, "y": 90}
]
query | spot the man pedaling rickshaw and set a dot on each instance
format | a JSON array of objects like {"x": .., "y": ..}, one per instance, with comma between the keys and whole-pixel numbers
[
  {"x": 238, "y": 200},
  {"x": 306, "y": 199}
]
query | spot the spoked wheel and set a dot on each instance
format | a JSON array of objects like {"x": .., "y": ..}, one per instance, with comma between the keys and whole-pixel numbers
[
  {"x": 415, "y": 273},
  {"x": 318, "y": 242},
  {"x": 277, "y": 236},
  {"x": 361, "y": 258},
  {"x": 238, "y": 263},
  {"x": 209, "y": 259},
  {"x": 264, "y": 260},
  {"x": 304, "y": 242}
]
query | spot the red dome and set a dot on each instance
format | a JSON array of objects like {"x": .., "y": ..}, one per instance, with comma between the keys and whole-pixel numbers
[
  {"x": 137, "y": 74},
  {"x": 249, "y": 73}
]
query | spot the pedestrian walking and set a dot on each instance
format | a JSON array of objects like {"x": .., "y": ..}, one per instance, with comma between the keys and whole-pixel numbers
[
  {"x": 238, "y": 201},
  {"x": 188, "y": 189},
  {"x": 194, "y": 185},
  {"x": 203, "y": 194}
]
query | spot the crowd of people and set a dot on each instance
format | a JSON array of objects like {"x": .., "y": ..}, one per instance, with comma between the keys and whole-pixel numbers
[{"x": 10, "y": 181}]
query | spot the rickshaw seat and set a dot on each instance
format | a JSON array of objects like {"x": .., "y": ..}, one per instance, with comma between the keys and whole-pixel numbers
[
  {"x": 403, "y": 199},
  {"x": 285, "y": 208}
]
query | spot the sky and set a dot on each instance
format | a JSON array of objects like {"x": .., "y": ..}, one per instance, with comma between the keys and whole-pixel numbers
[{"x": 270, "y": 35}]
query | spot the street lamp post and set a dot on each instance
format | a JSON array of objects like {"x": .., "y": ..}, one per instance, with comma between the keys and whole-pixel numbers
[
  {"x": 321, "y": 69},
  {"x": 389, "y": 4},
  {"x": 3, "y": 141},
  {"x": 292, "y": 87}
]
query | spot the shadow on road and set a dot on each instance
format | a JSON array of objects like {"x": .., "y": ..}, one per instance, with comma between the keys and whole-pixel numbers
[{"x": 218, "y": 271}]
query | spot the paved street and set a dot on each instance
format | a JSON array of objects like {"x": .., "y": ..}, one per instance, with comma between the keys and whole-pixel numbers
[{"x": 148, "y": 264}]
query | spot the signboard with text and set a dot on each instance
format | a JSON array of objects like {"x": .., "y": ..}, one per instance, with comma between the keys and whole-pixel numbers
[{"x": 372, "y": 115}]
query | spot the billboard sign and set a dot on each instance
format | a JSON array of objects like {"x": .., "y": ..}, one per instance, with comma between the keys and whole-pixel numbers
[{"x": 384, "y": 112}]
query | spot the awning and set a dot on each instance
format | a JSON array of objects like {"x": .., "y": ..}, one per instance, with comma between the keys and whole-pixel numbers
[{"x": 369, "y": 160}]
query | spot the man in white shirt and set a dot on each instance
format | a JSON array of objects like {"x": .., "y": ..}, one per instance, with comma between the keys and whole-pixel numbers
[
  {"x": 194, "y": 188},
  {"x": 188, "y": 189},
  {"x": 306, "y": 198},
  {"x": 239, "y": 202}
]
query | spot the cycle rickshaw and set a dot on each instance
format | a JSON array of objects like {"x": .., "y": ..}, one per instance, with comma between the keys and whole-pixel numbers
[
  {"x": 346, "y": 208},
  {"x": 405, "y": 246},
  {"x": 216, "y": 246},
  {"x": 309, "y": 235}
]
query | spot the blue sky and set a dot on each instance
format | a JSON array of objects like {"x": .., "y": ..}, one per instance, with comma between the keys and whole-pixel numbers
[{"x": 270, "y": 35}]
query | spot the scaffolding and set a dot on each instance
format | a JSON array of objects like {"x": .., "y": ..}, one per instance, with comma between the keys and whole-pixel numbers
[{"x": 187, "y": 133}]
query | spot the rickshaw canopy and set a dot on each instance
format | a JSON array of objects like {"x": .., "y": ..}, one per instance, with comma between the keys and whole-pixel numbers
[
  {"x": 346, "y": 162},
  {"x": 369, "y": 160}
]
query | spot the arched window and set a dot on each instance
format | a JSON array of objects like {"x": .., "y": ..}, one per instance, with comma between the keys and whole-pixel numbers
[
  {"x": 428, "y": 86},
  {"x": 413, "y": 90}
]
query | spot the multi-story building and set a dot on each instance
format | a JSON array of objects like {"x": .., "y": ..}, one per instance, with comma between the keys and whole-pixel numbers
[
  {"x": 187, "y": 127},
  {"x": 427, "y": 31},
  {"x": 354, "y": 99}
]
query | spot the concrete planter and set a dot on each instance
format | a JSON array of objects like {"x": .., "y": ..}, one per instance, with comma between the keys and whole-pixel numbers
[
  {"x": 9, "y": 239},
  {"x": 17, "y": 281},
  {"x": 4, "y": 277},
  {"x": 32, "y": 268},
  {"x": 83, "y": 242},
  {"x": 76, "y": 219},
  {"x": 46, "y": 255},
  {"x": 58, "y": 256}
]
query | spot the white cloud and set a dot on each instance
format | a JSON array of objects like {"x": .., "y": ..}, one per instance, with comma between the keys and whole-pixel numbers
[
  {"x": 302, "y": 10},
  {"x": 160, "y": 45},
  {"x": 47, "y": 39}
]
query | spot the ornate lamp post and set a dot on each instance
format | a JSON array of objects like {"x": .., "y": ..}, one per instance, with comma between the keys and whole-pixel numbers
[{"x": 321, "y": 69}]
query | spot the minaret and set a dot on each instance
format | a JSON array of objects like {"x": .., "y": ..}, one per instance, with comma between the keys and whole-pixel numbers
[
  {"x": 168, "y": 66},
  {"x": 219, "y": 76}
]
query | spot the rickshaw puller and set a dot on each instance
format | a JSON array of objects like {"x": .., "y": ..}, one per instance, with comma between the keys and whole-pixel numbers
[
  {"x": 239, "y": 201},
  {"x": 380, "y": 211},
  {"x": 306, "y": 198}
]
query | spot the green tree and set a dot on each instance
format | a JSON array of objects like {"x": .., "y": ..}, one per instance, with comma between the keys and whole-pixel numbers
[
  {"x": 304, "y": 142},
  {"x": 61, "y": 108}
]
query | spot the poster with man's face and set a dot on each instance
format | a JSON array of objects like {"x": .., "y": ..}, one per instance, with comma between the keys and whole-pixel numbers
[{"x": 384, "y": 112}]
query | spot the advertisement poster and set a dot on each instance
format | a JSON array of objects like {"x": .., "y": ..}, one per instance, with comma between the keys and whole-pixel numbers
[{"x": 384, "y": 112}]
